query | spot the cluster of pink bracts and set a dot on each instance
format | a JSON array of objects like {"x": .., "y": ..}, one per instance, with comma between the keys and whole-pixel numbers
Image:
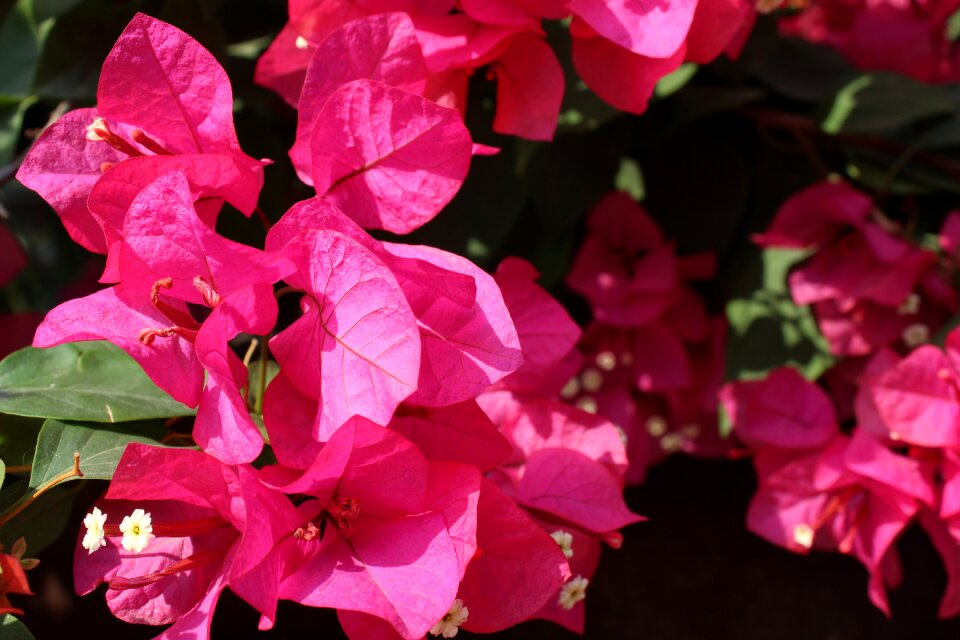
[
  {"x": 425, "y": 479},
  {"x": 620, "y": 49},
  {"x": 849, "y": 471}
]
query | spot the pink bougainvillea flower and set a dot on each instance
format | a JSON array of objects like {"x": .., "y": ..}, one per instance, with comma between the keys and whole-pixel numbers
[
  {"x": 656, "y": 31},
  {"x": 390, "y": 537},
  {"x": 567, "y": 470},
  {"x": 623, "y": 268},
  {"x": 210, "y": 526},
  {"x": 517, "y": 568},
  {"x": 357, "y": 346},
  {"x": 468, "y": 340},
  {"x": 855, "y": 496},
  {"x": 390, "y": 158},
  {"x": 547, "y": 332},
  {"x": 883, "y": 36},
  {"x": 783, "y": 410},
  {"x": 529, "y": 88},
  {"x": 868, "y": 285},
  {"x": 382, "y": 47},
  {"x": 160, "y": 94},
  {"x": 917, "y": 399},
  {"x": 171, "y": 258}
]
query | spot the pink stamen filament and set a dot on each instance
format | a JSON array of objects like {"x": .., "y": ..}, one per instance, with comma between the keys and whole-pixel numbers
[
  {"x": 100, "y": 131},
  {"x": 838, "y": 504},
  {"x": 182, "y": 529},
  {"x": 147, "y": 336},
  {"x": 188, "y": 563},
  {"x": 147, "y": 142},
  {"x": 210, "y": 296}
]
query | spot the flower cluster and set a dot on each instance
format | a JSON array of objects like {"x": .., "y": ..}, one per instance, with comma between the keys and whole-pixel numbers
[
  {"x": 620, "y": 49},
  {"x": 911, "y": 38},
  {"x": 869, "y": 284},
  {"x": 401, "y": 495},
  {"x": 851, "y": 468},
  {"x": 653, "y": 356}
]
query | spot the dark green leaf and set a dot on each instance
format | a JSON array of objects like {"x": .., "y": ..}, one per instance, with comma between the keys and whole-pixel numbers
[
  {"x": 13, "y": 629},
  {"x": 94, "y": 381},
  {"x": 11, "y": 121},
  {"x": 879, "y": 102},
  {"x": 41, "y": 523},
  {"x": 803, "y": 70},
  {"x": 99, "y": 446},
  {"x": 768, "y": 330},
  {"x": 43, "y": 9},
  {"x": 19, "y": 51}
]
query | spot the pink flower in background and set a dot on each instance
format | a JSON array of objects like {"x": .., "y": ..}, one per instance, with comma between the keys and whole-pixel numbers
[
  {"x": 886, "y": 35},
  {"x": 868, "y": 285}
]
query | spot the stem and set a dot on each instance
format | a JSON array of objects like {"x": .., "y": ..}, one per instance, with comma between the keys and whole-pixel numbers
[
  {"x": 264, "y": 220},
  {"x": 49, "y": 484},
  {"x": 23, "y": 468},
  {"x": 262, "y": 381},
  {"x": 249, "y": 354}
]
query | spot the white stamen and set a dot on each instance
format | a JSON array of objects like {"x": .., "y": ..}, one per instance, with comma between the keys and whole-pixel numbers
[
  {"x": 592, "y": 380},
  {"x": 450, "y": 623},
  {"x": 565, "y": 540},
  {"x": 137, "y": 531},
  {"x": 98, "y": 130},
  {"x": 93, "y": 538},
  {"x": 916, "y": 334},
  {"x": 301, "y": 43},
  {"x": 606, "y": 360},
  {"x": 573, "y": 592},
  {"x": 672, "y": 442},
  {"x": 656, "y": 426},
  {"x": 910, "y": 305},
  {"x": 571, "y": 389},
  {"x": 587, "y": 404},
  {"x": 803, "y": 535}
]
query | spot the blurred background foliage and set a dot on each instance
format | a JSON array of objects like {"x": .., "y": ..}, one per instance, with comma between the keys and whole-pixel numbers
[{"x": 719, "y": 149}]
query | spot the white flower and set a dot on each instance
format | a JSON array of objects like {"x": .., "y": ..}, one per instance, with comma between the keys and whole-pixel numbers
[
  {"x": 137, "y": 531},
  {"x": 916, "y": 334},
  {"x": 803, "y": 535},
  {"x": 94, "y": 522},
  {"x": 592, "y": 380},
  {"x": 450, "y": 623},
  {"x": 565, "y": 540},
  {"x": 573, "y": 592}
]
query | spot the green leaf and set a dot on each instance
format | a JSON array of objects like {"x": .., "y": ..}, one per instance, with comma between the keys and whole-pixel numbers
[
  {"x": 19, "y": 51},
  {"x": 43, "y": 9},
  {"x": 92, "y": 381},
  {"x": 884, "y": 101},
  {"x": 11, "y": 121},
  {"x": 18, "y": 439},
  {"x": 629, "y": 179},
  {"x": 804, "y": 71},
  {"x": 13, "y": 629},
  {"x": 673, "y": 82},
  {"x": 99, "y": 446},
  {"x": 768, "y": 330},
  {"x": 43, "y": 521}
]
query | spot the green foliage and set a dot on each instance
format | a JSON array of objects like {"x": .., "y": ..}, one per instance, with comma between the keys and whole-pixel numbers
[
  {"x": 91, "y": 381},
  {"x": 767, "y": 329},
  {"x": 884, "y": 101},
  {"x": 13, "y": 629}
]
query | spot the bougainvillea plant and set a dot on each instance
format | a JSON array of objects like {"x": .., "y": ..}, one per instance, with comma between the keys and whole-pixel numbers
[{"x": 401, "y": 309}]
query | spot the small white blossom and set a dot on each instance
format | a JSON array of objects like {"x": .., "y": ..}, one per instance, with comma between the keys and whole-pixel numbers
[
  {"x": 93, "y": 538},
  {"x": 573, "y": 592},
  {"x": 587, "y": 404},
  {"x": 607, "y": 360},
  {"x": 571, "y": 389},
  {"x": 565, "y": 540},
  {"x": 910, "y": 305},
  {"x": 98, "y": 130},
  {"x": 301, "y": 43},
  {"x": 450, "y": 623},
  {"x": 137, "y": 531},
  {"x": 916, "y": 334},
  {"x": 656, "y": 426},
  {"x": 803, "y": 535},
  {"x": 592, "y": 380}
]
